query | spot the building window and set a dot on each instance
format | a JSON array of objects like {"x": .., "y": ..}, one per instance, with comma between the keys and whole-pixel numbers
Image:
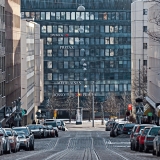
[
  {"x": 49, "y": 29},
  {"x": 60, "y": 88},
  {"x": 49, "y": 64},
  {"x": 57, "y": 15},
  {"x": 53, "y": 15},
  {"x": 144, "y": 62},
  {"x": 48, "y": 16},
  {"x": 144, "y": 28},
  {"x": 42, "y": 15},
  {"x": 65, "y": 64},
  {"x": 144, "y": 45},
  {"x": 49, "y": 76},
  {"x": 49, "y": 53},
  {"x": 37, "y": 15},
  {"x": 145, "y": 11},
  {"x": 43, "y": 29}
]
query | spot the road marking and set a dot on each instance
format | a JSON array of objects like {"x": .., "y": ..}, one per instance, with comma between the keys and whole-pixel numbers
[
  {"x": 114, "y": 151},
  {"x": 42, "y": 151}
]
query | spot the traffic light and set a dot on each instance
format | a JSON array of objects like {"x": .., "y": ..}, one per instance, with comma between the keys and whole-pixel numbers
[
  {"x": 139, "y": 100},
  {"x": 127, "y": 113}
]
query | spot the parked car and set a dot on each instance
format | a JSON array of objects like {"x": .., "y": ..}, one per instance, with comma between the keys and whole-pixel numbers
[
  {"x": 24, "y": 141},
  {"x": 156, "y": 145},
  {"x": 1, "y": 143},
  {"x": 127, "y": 128},
  {"x": 6, "y": 142},
  {"x": 63, "y": 125},
  {"x": 148, "y": 142},
  {"x": 52, "y": 131},
  {"x": 112, "y": 134},
  {"x": 109, "y": 125},
  {"x": 54, "y": 125},
  {"x": 12, "y": 139},
  {"x": 28, "y": 135},
  {"x": 142, "y": 137},
  {"x": 37, "y": 130},
  {"x": 119, "y": 129},
  {"x": 135, "y": 136}
]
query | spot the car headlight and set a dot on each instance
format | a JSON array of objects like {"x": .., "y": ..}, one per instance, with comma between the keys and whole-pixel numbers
[{"x": 11, "y": 141}]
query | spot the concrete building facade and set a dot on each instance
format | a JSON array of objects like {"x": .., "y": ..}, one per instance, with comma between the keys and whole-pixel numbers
[
  {"x": 31, "y": 69},
  {"x": 139, "y": 48},
  {"x": 12, "y": 52},
  {"x": 153, "y": 85},
  {"x": 2, "y": 60}
]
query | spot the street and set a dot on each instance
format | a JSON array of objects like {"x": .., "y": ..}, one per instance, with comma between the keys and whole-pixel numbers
[{"x": 81, "y": 143}]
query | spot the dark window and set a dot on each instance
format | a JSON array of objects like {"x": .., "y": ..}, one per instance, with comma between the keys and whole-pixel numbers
[
  {"x": 145, "y": 11},
  {"x": 144, "y": 45},
  {"x": 145, "y": 62},
  {"x": 144, "y": 28}
]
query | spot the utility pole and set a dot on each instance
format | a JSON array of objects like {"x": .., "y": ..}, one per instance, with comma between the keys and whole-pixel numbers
[{"x": 93, "y": 104}]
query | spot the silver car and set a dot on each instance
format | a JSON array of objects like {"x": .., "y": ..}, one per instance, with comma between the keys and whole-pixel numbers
[
  {"x": 156, "y": 145},
  {"x": 6, "y": 142},
  {"x": 148, "y": 142}
]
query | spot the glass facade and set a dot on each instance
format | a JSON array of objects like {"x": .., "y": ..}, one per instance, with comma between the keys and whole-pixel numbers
[{"x": 97, "y": 48}]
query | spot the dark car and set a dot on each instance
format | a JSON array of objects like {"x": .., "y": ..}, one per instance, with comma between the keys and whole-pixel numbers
[
  {"x": 54, "y": 125},
  {"x": 156, "y": 145},
  {"x": 112, "y": 133},
  {"x": 109, "y": 125},
  {"x": 29, "y": 135},
  {"x": 148, "y": 142},
  {"x": 119, "y": 129},
  {"x": 127, "y": 128},
  {"x": 52, "y": 131},
  {"x": 37, "y": 130}
]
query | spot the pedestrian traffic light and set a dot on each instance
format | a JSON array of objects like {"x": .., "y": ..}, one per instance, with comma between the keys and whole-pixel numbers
[{"x": 24, "y": 111}]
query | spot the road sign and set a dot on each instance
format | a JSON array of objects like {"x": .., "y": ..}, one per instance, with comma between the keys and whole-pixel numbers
[
  {"x": 139, "y": 112},
  {"x": 150, "y": 114},
  {"x": 17, "y": 117}
]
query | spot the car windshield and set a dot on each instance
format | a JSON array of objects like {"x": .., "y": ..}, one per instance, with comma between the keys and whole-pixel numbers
[
  {"x": 34, "y": 126},
  {"x": 129, "y": 125},
  {"x": 154, "y": 131},
  {"x": 58, "y": 123},
  {"x": 22, "y": 129},
  {"x": 53, "y": 124},
  {"x": 21, "y": 135},
  {"x": 120, "y": 125},
  {"x": 9, "y": 133},
  {"x": 145, "y": 131}
]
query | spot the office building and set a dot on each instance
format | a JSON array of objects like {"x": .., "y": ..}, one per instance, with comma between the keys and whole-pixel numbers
[{"x": 102, "y": 40}]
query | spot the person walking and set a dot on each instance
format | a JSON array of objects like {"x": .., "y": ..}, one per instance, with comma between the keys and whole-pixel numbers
[{"x": 33, "y": 122}]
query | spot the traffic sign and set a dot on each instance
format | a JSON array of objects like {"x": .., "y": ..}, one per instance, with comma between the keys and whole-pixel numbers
[
  {"x": 139, "y": 112},
  {"x": 17, "y": 117}
]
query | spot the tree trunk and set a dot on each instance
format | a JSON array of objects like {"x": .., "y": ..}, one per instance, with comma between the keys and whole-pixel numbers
[{"x": 89, "y": 116}]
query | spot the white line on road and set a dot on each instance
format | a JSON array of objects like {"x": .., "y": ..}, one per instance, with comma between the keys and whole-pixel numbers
[
  {"x": 114, "y": 151},
  {"x": 42, "y": 151}
]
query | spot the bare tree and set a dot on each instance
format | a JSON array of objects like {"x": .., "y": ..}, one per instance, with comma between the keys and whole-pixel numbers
[
  {"x": 110, "y": 105},
  {"x": 71, "y": 103},
  {"x": 88, "y": 104},
  {"x": 139, "y": 84},
  {"x": 125, "y": 100}
]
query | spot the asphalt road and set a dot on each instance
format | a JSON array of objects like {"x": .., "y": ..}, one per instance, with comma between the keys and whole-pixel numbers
[{"x": 80, "y": 144}]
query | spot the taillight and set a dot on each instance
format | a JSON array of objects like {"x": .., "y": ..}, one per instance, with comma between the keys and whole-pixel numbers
[
  {"x": 150, "y": 138},
  {"x": 124, "y": 129}
]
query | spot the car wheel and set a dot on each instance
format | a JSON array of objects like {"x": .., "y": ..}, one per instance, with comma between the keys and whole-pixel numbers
[
  {"x": 146, "y": 150},
  {"x": 56, "y": 134},
  {"x": 40, "y": 136},
  {"x": 154, "y": 152},
  {"x": 9, "y": 151},
  {"x": 157, "y": 152},
  {"x": 140, "y": 148},
  {"x": 32, "y": 148}
]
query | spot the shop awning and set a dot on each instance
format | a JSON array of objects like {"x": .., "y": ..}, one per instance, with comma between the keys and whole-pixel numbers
[{"x": 147, "y": 110}]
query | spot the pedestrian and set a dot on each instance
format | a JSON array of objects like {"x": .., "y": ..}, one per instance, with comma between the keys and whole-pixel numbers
[
  {"x": 38, "y": 122},
  {"x": 33, "y": 122}
]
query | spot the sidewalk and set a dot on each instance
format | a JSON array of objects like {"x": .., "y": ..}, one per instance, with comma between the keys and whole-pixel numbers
[{"x": 86, "y": 125}]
